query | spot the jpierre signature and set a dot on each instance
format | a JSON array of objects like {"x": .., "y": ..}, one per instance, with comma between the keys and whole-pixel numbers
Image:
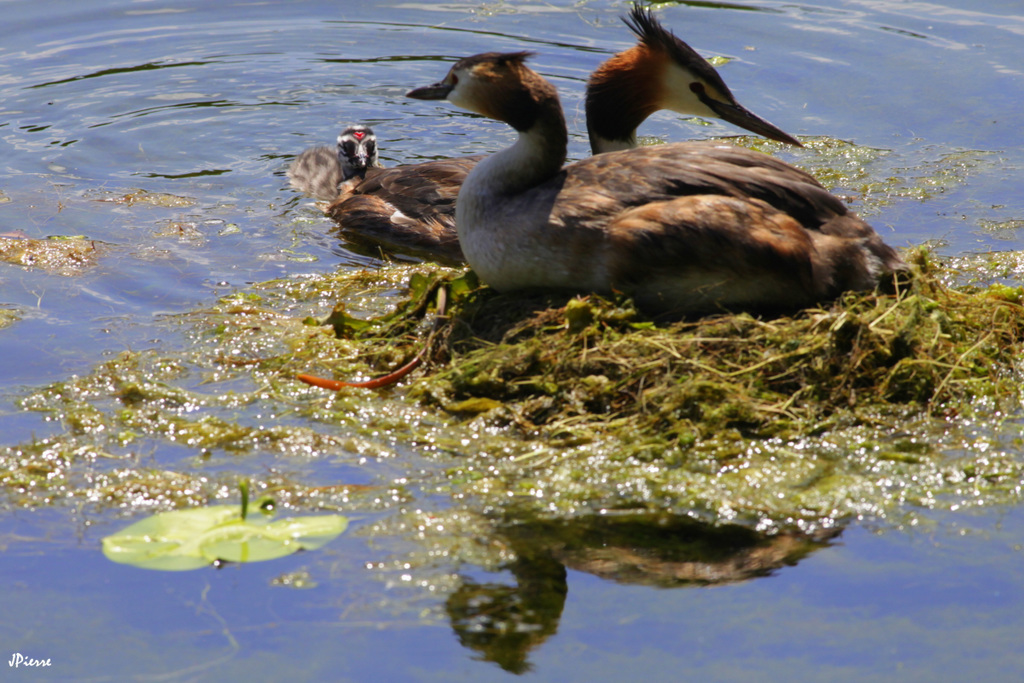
[{"x": 18, "y": 659}]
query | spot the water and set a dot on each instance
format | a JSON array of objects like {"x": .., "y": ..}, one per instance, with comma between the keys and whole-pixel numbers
[{"x": 208, "y": 101}]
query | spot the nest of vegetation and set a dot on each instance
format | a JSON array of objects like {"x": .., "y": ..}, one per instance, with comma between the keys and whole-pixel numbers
[{"x": 556, "y": 364}]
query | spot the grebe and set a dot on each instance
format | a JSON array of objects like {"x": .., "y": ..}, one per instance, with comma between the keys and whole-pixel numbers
[
  {"x": 683, "y": 228},
  {"x": 412, "y": 208},
  {"x": 325, "y": 172},
  {"x": 660, "y": 72},
  {"x": 408, "y": 209}
]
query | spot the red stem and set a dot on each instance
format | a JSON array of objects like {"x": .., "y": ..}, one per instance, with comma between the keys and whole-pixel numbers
[
  {"x": 391, "y": 377},
  {"x": 376, "y": 383}
]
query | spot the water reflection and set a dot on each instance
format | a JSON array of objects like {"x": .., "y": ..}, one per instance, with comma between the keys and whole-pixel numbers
[
  {"x": 503, "y": 623},
  {"x": 149, "y": 66},
  {"x": 721, "y": 5}
]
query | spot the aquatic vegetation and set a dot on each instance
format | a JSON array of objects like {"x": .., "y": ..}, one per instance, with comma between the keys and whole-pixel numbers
[
  {"x": 997, "y": 267},
  {"x": 60, "y": 255},
  {"x": 8, "y": 316},
  {"x": 1003, "y": 230},
  {"x": 144, "y": 197},
  {"x": 533, "y": 407},
  {"x": 930, "y": 347},
  {"x": 198, "y": 537},
  {"x": 861, "y": 175},
  {"x": 800, "y": 420}
]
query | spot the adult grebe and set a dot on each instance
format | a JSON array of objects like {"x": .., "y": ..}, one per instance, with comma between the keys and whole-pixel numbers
[
  {"x": 325, "y": 172},
  {"x": 660, "y": 72},
  {"x": 685, "y": 227},
  {"x": 412, "y": 208}
]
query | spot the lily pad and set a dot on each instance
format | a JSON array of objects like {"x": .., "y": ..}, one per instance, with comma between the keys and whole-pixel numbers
[{"x": 189, "y": 539}]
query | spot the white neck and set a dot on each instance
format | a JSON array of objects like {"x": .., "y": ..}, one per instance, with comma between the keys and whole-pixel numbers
[
  {"x": 504, "y": 204},
  {"x": 600, "y": 145},
  {"x": 516, "y": 168}
]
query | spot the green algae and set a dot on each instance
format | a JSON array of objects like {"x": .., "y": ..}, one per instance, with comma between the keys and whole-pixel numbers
[
  {"x": 1002, "y": 230},
  {"x": 66, "y": 256},
  {"x": 803, "y": 420},
  {"x": 550, "y": 432},
  {"x": 9, "y": 316},
  {"x": 535, "y": 407},
  {"x": 143, "y": 198},
  {"x": 853, "y": 172},
  {"x": 228, "y": 395}
]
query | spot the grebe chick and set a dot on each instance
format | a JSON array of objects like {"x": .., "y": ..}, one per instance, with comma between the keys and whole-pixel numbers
[
  {"x": 408, "y": 209},
  {"x": 324, "y": 172},
  {"x": 683, "y": 228},
  {"x": 660, "y": 72}
]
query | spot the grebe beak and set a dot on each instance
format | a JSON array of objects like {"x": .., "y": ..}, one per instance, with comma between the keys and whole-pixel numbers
[
  {"x": 361, "y": 160},
  {"x": 437, "y": 91},
  {"x": 738, "y": 115}
]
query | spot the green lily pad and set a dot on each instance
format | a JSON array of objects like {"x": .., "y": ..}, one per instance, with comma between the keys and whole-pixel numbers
[{"x": 189, "y": 539}]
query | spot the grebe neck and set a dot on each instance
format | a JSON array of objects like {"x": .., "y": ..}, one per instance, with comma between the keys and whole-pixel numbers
[
  {"x": 621, "y": 94},
  {"x": 537, "y": 155}
]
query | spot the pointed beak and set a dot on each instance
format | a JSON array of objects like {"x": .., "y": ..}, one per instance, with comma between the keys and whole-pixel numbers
[
  {"x": 738, "y": 115},
  {"x": 437, "y": 91}
]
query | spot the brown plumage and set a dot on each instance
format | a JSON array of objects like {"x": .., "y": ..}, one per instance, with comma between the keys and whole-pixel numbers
[
  {"x": 686, "y": 227},
  {"x": 408, "y": 209},
  {"x": 411, "y": 208}
]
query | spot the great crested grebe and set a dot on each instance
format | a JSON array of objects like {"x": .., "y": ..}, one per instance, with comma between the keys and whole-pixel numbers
[
  {"x": 684, "y": 227},
  {"x": 660, "y": 72},
  {"x": 412, "y": 208},
  {"x": 325, "y": 172},
  {"x": 407, "y": 208}
]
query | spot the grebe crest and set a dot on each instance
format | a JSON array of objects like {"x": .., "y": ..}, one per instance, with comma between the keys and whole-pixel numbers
[{"x": 660, "y": 72}]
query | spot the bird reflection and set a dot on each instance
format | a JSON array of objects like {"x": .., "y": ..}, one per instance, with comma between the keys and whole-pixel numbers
[{"x": 503, "y": 622}]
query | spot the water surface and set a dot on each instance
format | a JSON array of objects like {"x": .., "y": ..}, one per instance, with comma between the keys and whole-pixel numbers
[{"x": 209, "y": 101}]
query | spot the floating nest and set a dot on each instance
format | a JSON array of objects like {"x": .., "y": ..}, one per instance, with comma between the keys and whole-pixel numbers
[
  {"x": 853, "y": 408},
  {"x": 548, "y": 362},
  {"x": 545, "y": 407}
]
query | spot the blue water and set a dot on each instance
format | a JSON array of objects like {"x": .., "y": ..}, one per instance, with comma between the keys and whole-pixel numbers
[{"x": 209, "y": 101}]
